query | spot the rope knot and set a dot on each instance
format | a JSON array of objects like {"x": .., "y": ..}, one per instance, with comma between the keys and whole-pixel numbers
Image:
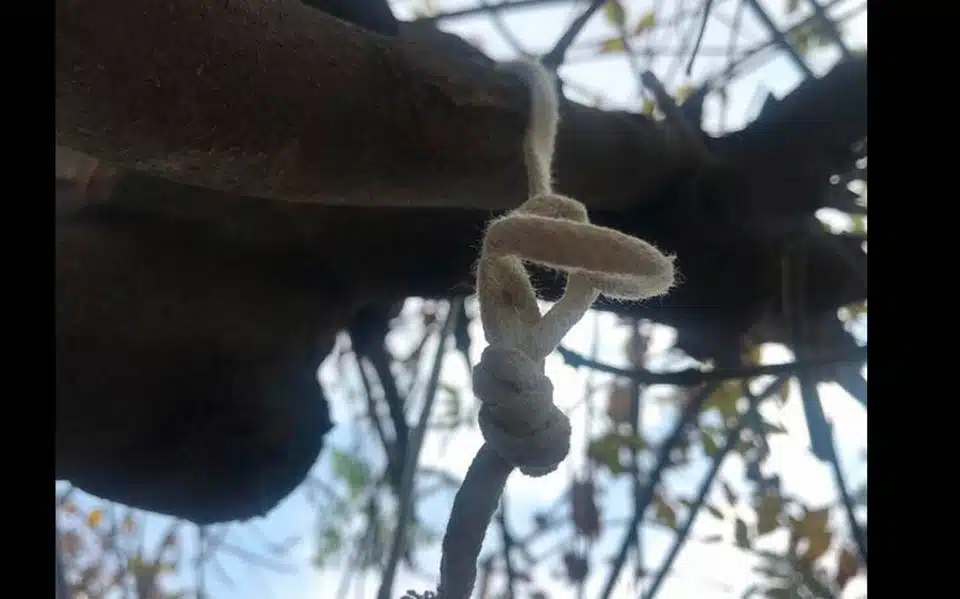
[{"x": 518, "y": 418}]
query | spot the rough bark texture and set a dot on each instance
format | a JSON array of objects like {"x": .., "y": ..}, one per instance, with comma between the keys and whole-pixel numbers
[
  {"x": 271, "y": 98},
  {"x": 190, "y": 319}
]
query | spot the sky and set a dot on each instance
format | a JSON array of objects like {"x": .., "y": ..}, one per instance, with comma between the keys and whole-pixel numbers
[{"x": 716, "y": 571}]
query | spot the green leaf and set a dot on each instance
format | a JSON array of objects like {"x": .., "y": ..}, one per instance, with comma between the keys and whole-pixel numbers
[
  {"x": 854, "y": 310},
  {"x": 329, "y": 544},
  {"x": 664, "y": 513},
  {"x": 606, "y": 450},
  {"x": 710, "y": 446},
  {"x": 616, "y": 15},
  {"x": 725, "y": 399},
  {"x": 768, "y": 513},
  {"x": 741, "y": 534},
  {"x": 808, "y": 37},
  {"x": 355, "y": 473},
  {"x": 647, "y": 21},
  {"x": 858, "y": 224},
  {"x": 779, "y": 593},
  {"x": 612, "y": 46}
]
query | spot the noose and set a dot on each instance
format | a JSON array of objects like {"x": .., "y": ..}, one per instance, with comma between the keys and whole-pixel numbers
[{"x": 521, "y": 426}]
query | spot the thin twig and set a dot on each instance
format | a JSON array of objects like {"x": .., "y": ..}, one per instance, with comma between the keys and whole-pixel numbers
[
  {"x": 372, "y": 410},
  {"x": 554, "y": 58},
  {"x": 733, "y": 435},
  {"x": 507, "y": 546},
  {"x": 256, "y": 559},
  {"x": 496, "y": 17},
  {"x": 779, "y": 38},
  {"x": 763, "y": 48},
  {"x": 378, "y": 357},
  {"x": 686, "y": 42},
  {"x": 856, "y": 530},
  {"x": 852, "y": 382},
  {"x": 734, "y": 32},
  {"x": 636, "y": 413},
  {"x": 199, "y": 563},
  {"x": 694, "y": 376},
  {"x": 481, "y": 9},
  {"x": 689, "y": 414},
  {"x": 673, "y": 116},
  {"x": 831, "y": 28},
  {"x": 707, "y": 5},
  {"x": 413, "y": 455},
  {"x": 822, "y": 439}
]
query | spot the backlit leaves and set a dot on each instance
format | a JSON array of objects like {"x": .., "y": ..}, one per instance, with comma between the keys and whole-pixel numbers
[
  {"x": 725, "y": 399},
  {"x": 741, "y": 534},
  {"x": 352, "y": 470},
  {"x": 586, "y": 516},
  {"x": 95, "y": 517},
  {"x": 813, "y": 528},
  {"x": 616, "y": 15},
  {"x": 646, "y": 22},
  {"x": 768, "y": 513},
  {"x": 709, "y": 443},
  {"x": 614, "y": 12},
  {"x": 847, "y": 567},
  {"x": 683, "y": 92},
  {"x": 612, "y": 46},
  {"x": 663, "y": 512},
  {"x": 607, "y": 450},
  {"x": 807, "y": 37}
]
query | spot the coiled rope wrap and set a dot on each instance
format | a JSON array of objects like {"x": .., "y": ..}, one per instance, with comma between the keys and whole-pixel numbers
[{"x": 521, "y": 426}]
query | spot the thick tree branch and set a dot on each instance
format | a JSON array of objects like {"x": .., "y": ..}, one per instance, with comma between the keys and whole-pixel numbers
[{"x": 272, "y": 98}]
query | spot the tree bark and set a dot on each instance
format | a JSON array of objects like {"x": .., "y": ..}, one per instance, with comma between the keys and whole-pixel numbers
[{"x": 271, "y": 98}]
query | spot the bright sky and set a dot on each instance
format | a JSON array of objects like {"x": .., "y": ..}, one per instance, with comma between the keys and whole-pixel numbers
[{"x": 716, "y": 571}]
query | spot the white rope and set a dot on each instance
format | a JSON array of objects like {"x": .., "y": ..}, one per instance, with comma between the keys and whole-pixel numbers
[{"x": 521, "y": 426}]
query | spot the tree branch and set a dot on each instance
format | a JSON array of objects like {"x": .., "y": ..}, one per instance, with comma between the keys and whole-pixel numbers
[
  {"x": 274, "y": 99},
  {"x": 730, "y": 441},
  {"x": 695, "y": 376}
]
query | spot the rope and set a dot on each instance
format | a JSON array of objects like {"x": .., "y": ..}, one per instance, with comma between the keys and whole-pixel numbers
[{"x": 521, "y": 426}]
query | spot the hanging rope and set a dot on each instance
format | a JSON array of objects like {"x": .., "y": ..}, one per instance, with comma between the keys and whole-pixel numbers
[{"x": 521, "y": 426}]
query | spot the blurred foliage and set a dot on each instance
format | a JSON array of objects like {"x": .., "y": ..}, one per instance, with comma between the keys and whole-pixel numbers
[{"x": 105, "y": 554}]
